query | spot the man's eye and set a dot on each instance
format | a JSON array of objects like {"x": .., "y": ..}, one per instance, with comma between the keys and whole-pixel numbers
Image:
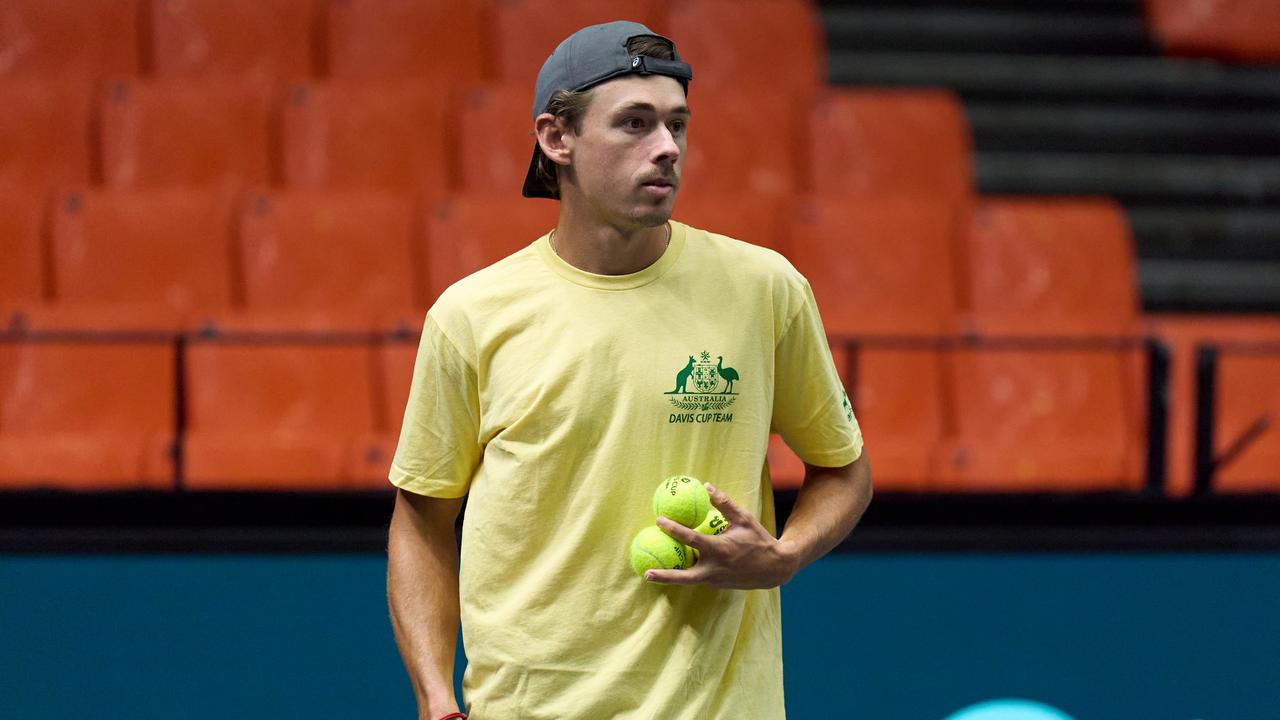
[
  {"x": 677, "y": 126},
  {"x": 633, "y": 123}
]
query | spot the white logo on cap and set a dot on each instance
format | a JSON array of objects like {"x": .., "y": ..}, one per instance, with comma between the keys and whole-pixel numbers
[{"x": 635, "y": 61}]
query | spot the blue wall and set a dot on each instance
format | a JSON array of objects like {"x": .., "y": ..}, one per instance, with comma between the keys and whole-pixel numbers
[{"x": 917, "y": 637}]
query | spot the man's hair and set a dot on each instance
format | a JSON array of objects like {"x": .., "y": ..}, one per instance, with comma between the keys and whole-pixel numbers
[{"x": 571, "y": 105}]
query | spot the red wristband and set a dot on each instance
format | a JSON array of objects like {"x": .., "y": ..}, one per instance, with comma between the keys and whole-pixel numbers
[{"x": 454, "y": 716}]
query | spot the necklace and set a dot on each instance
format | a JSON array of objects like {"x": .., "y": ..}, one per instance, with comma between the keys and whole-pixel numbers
[{"x": 551, "y": 240}]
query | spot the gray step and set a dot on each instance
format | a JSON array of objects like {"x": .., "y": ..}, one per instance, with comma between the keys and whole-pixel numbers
[
  {"x": 1204, "y": 285},
  {"x": 1206, "y": 233}
]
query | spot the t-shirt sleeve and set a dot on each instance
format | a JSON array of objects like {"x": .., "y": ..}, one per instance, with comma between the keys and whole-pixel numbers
[
  {"x": 439, "y": 446},
  {"x": 811, "y": 410}
]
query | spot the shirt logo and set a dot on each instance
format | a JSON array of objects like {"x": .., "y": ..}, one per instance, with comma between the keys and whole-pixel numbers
[{"x": 710, "y": 395}]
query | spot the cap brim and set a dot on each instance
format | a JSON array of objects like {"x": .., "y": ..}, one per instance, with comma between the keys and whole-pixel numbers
[{"x": 534, "y": 188}]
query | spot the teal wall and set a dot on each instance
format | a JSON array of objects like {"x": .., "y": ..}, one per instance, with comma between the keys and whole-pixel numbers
[{"x": 916, "y": 637}]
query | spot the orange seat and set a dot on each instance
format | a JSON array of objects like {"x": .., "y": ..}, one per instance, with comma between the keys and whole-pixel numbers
[
  {"x": 212, "y": 133},
  {"x": 1182, "y": 334},
  {"x": 1051, "y": 266},
  {"x": 525, "y": 33},
  {"x": 727, "y": 151},
  {"x": 284, "y": 417},
  {"x": 81, "y": 39},
  {"x": 86, "y": 416},
  {"x": 757, "y": 219},
  {"x": 786, "y": 471},
  {"x": 466, "y": 233},
  {"x": 389, "y": 137},
  {"x": 349, "y": 254},
  {"x": 137, "y": 260},
  {"x": 1040, "y": 421},
  {"x": 404, "y": 39},
  {"x": 1248, "y": 398},
  {"x": 1239, "y": 30},
  {"x": 22, "y": 277},
  {"x": 44, "y": 133},
  {"x": 868, "y": 142},
  {"x": 395, "y": 374},
  {"x": 257, "y": 40},
  {"x": 496, "y": 138},
  {"x": 764, "y": 41}
]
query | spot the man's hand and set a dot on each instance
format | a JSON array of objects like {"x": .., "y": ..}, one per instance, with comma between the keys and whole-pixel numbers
[{"x": 744, "y": 557}]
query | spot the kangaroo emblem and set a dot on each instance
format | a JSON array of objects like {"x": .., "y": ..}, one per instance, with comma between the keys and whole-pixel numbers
[{"x": 682, "y": 378}]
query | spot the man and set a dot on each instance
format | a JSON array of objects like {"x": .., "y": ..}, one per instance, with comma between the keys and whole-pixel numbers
[{"x": 559, "y": 386}]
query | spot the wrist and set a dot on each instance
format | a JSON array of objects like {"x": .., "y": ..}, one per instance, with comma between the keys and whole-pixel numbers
[{"x": 790, "y": 558}]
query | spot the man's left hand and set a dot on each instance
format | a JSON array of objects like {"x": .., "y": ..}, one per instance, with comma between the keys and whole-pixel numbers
[{"x": 744, "y": 557}]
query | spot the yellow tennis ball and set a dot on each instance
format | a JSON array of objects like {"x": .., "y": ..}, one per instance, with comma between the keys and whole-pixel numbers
[
  {"x": 682, "y": 499},
  {"x": 714, "y": 524},
  {"x": 653, "y": 549}
]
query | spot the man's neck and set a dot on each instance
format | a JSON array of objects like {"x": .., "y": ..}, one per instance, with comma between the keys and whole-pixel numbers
[{"x": 603, "y": 249}]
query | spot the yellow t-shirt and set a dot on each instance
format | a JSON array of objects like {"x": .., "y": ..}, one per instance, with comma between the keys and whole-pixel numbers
[{"x": 558, "y": 400}]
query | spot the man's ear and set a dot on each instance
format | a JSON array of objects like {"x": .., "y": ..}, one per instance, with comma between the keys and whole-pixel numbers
[{"x": 555, "y": 138}]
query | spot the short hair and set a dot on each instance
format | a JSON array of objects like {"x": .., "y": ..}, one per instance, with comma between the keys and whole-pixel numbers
[{"x": 571, "y": 105}]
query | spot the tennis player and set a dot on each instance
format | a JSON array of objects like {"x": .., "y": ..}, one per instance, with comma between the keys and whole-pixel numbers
[{"x": 556, "y": 388}]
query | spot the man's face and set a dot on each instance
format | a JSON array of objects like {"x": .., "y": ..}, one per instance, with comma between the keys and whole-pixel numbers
[{"x": 627, "y": 157}]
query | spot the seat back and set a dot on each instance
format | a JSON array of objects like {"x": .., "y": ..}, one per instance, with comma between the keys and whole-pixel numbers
[
  {"x": 260, "y": 40},
  {"x": 496, "y": 138},
  {"x": 22, "y": 273},
  {"x": 466, "y": 233},
  {"x": 44, "y": 132},
  {"x": 407, "y": 39},
  {"x": 744, "y": 141},
  {"x": 757, "y": 219},
  {"x": 83, "y": 39}
]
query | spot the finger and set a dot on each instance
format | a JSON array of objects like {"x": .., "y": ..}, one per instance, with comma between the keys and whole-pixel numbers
[
  {"x": 692, "y": 538},
  {"x": 675, "y": 577},
  {"x": 725, "y": 504}
]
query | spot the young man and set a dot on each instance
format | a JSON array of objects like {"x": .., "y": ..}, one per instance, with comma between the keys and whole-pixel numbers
[{"x": 558, "y": 387}]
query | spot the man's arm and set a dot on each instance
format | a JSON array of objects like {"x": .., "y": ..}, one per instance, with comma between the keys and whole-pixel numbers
[
  {"x": 748, "y": 557},
  {"x": 422, "y": 592}
]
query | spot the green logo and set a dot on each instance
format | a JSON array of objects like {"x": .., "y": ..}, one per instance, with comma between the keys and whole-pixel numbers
[
  {"x": 848, "y": 407},
  {"x": 704, "y": 390}
]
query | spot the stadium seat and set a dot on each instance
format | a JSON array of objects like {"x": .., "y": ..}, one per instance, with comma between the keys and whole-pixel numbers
[
  {"x": 727, "y": 41},
  {"x": 257, "y": 40},
  {"x": 1029, "y": 421},
  {"x": 22, "y": 273},
  {"x": 495, "y": 138},
  {"x": 394, "y": 376},
  {"x": 882, "y": 273},
  {"x": 733, "y": 148},
  {"x": 137, "y": 260},
  {"x": 84, "y": 416},
  {"x": 1248, "y": 400},
  {"x": 81, "y": 39},
  {"x": 1237, "y": 30},
  {"x": 1051, "y": 266},
  {"x": 276, "y": 417},
  {"x": 371, "y": 136},
  {"x": 44, "y": 132},
  {"x": 757, "y": 219},
  {"x": 408, "y": 39},
  {"x": 351, "y": 256},
  {"x": 466, "y": 233},
  {"x": 525, "y": 33},
  {"x": 786, "y": 470},
  {"x": 210, "y": 133},
  {"x": 869, "y": 142}
]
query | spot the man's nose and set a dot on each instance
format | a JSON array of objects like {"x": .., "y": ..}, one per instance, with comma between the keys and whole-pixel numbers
[{"x": 666, "y": 149}]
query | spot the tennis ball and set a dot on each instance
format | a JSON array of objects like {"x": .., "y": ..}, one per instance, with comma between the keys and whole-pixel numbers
[
  {"x": 653, "y": 549},
  {"x": 714, "y": 524},
  {"x": 682, "y": 499}
]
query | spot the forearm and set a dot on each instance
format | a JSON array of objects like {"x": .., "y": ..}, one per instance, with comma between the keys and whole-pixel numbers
[
  {"x": 422, "y": 592},
  {"x": 827, "y": 508}
]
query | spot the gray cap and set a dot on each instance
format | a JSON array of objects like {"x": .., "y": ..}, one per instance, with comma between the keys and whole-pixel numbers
[{"x": 587, "y": 58}]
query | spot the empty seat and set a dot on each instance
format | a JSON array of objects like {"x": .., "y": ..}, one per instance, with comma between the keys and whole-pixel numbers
[
  {"x": 768, "y": 42},
  {"x": 1240, "y": 30},
  {"x": 22, "y": 278},
  {"x": 1051, "y": 266},
  {"x": 44, "y": 132},
  {"x": 1052, "y": 421},
  {"x": 389, "y": 137},
  {"x": 757, "y": 219},
  {"x": 384, "y": 39},
  {"x": 466, "y": 233},
  {"x": 86, "y": 416},
  {"x": 84, "y": 38},
  {"x": 394, "y": 376},
  {"x": 730, "y": 152},
  {"x": 867, "y": 142},
  {"x": 263, "y": 416},
  {"x": 525, "y": 33},
  {"x": 1248, "y": 405},
  {"x": 352, "y": 256},
  {"x": 211, "y": 133},
  {"x": 495, "y": 138},
  {"x": 137, "y": 260},
  {"x": 258, "y": 40}
]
